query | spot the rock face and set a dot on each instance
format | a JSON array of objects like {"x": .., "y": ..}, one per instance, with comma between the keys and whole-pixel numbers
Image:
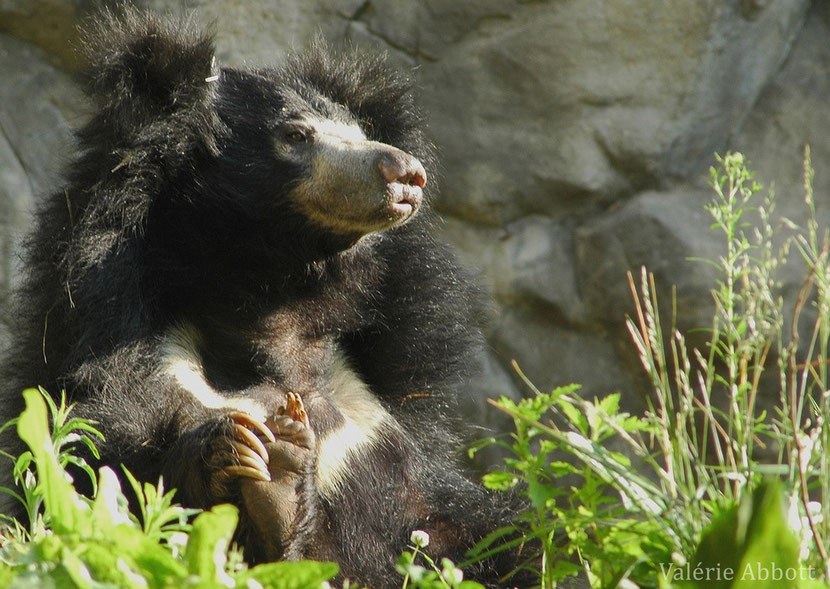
[
  {"x": 575, "y": 136},
  {"x": 38, "y": 106}
]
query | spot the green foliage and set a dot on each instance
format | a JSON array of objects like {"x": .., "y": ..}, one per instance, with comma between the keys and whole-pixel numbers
[
  {"x": 644, "y": 494},
  {"x": 64, "y": 434},
  {"x": 96, "y": 543},
  {"x": 579, "y": 527}
]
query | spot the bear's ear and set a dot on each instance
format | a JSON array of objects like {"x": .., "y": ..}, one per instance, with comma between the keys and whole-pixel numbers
[{"x": 142, "y": 67}]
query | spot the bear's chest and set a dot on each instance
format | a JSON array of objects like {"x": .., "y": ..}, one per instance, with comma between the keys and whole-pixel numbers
[{"x": 346, "y": 415}]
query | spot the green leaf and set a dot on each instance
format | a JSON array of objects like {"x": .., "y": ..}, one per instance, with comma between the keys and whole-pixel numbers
[
  {"x": 6, "y": 575},
  {"x": 574, "y": 416},
  {"x": 752, "y": 540},
  {"x": 146, "y": 557},
  {"x": 109, "y": 508},
  {"x": 77, "y": 570},
  {"x": 478, "y": 445},
  {"x": 470, "y": 585},
  {"x": 289, "y": 575},
  {"x": 559, "y": 468},
  {"x": 22, "y": 464},
  {"x": 207, "y": 546},
  {"x": 63, "y": 504},
  {"x": 620, "y": 458},
  {"x": 610, "y": 404},
  {"x": 635, "y": 424},
  {"x": 568, "y": 389},
  {"x": 500, "y": 480},
  {"x": 488, "y": 540},
  {"x": 160, "y": 516},
  {"x": 563, "y": 569},
  {"x": 539, "y": 493},
  {"x": 101, "y": 563}
]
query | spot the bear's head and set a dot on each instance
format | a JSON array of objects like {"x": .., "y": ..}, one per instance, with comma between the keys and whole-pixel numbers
[
  {"x": 326, "y": 148},
  {"x": 308, "y": 150}
]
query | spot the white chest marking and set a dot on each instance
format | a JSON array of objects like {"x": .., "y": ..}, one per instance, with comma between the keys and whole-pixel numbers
[
  {"x": 182, "y": 362},
  {"x": 365, "y": 420}
]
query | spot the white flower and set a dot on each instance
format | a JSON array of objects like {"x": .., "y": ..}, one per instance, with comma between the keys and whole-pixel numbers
[
  {"x": 451, "y": 574},
  {"x": 419, "y": 538}
]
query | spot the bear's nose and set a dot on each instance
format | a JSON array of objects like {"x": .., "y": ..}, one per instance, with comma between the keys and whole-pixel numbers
[{"x": 399, "y": 166}]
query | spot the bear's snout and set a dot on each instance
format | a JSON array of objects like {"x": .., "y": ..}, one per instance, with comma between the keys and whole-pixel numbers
[
  {"x": 398, "y": 166},
  {"x": 405, "y": 177}
]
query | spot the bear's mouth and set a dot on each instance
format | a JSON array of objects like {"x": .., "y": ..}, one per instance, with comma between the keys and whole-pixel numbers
[{"x": 404, "y": 199}]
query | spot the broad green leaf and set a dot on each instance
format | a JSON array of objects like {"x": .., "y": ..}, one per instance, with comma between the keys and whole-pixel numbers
[
  {"x": 134, "y": 553},
  {"x": 207, "y": 546},
  {"x": 289, "y": 575},
  {"x": 539, "y": 493},
  {"x": 562, "y": 569},
  {"x": 101, "y": 562},
  {"x": 751, "y": 540}
]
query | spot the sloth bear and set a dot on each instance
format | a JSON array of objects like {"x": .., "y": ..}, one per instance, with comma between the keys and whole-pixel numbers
[{"x": 239, "y": 283}]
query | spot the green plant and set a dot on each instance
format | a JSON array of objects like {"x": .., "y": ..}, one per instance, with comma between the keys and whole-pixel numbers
[
  {"x": 580, "y": 527},
  {"x": 65, "y": 433},
  {"x": 710, "y": 454},
  {"x": 708, "y": 438},
  {"x": 96, "y": 543}
]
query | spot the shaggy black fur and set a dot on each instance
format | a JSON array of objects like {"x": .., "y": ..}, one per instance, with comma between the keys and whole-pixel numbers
[{"x": 181, "y": 214}]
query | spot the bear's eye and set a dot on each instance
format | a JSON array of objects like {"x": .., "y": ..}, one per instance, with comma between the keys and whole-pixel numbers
[{"x": 297, "y": 136}]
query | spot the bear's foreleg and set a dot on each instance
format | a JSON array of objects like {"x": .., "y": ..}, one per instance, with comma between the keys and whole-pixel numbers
[{"x": 282, "y": 511}]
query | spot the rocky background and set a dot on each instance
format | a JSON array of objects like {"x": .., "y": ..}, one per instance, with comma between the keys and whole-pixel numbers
[{"x": 576, "y": 137}]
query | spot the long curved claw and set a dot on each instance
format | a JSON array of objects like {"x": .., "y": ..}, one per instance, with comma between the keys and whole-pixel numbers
[
  {"x": 247, "y": 421},
  {"x": 248, "y": 457},
  {"x": 239, "y": 452},
  {"x": 251, "y": 440},
  {"x": 246, "y": 471}
]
